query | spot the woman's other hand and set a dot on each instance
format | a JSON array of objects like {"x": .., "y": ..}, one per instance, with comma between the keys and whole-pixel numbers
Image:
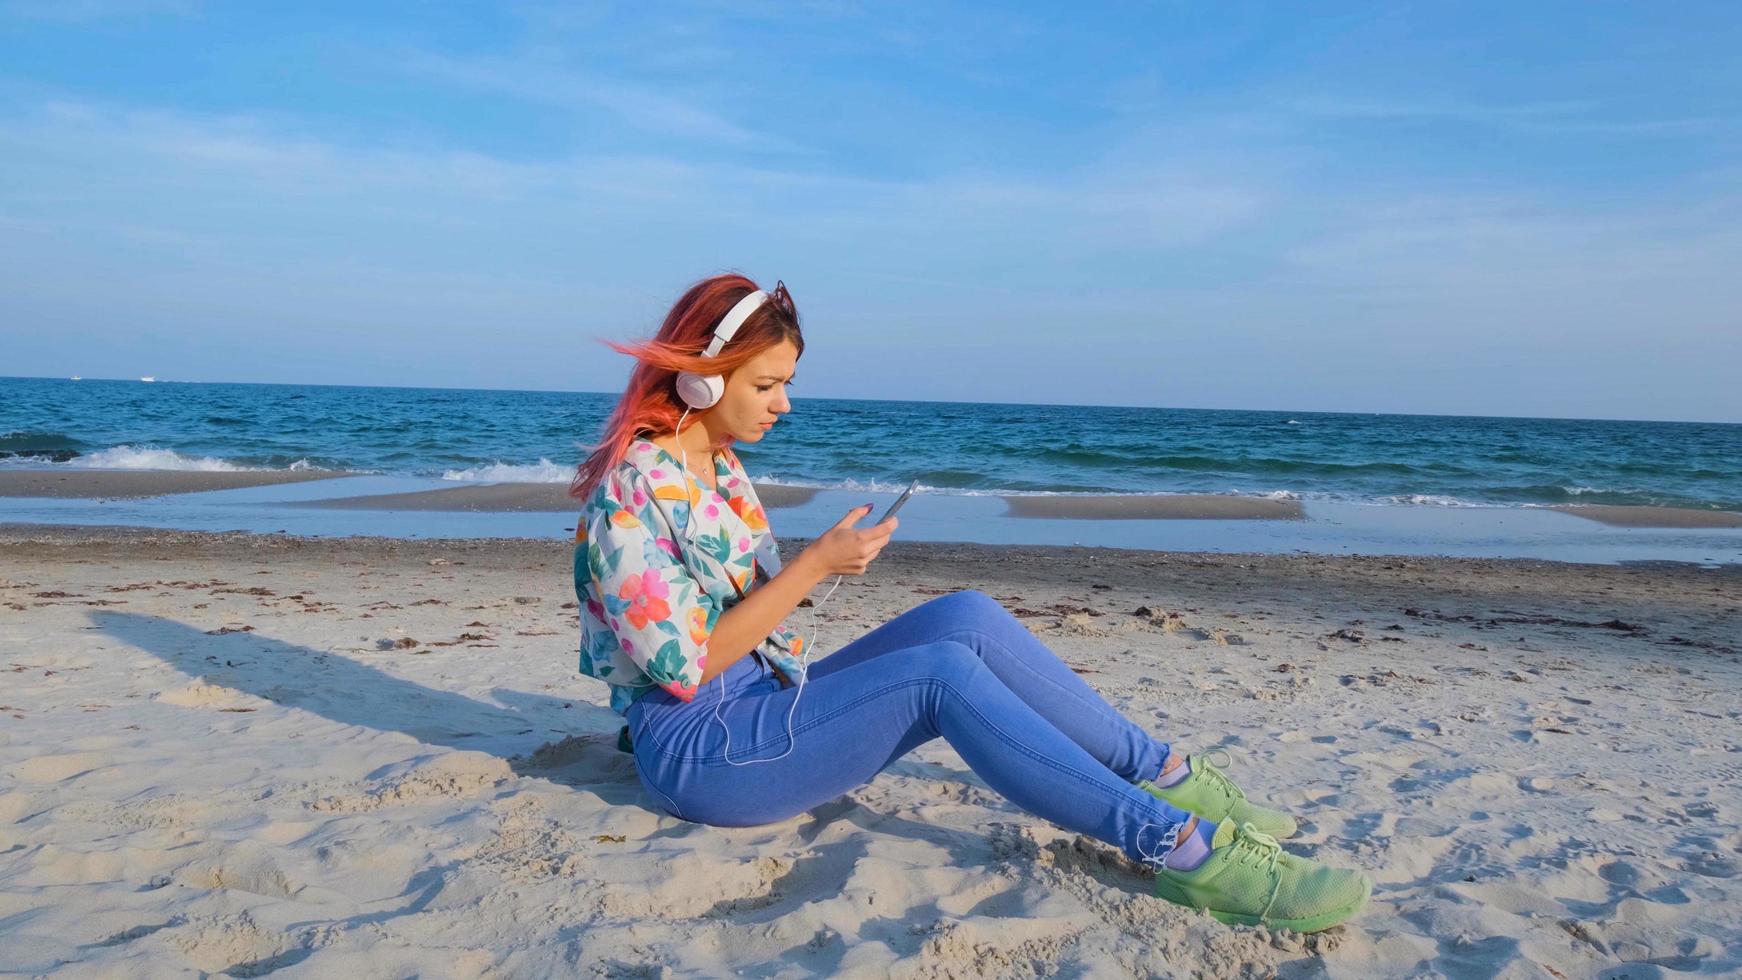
[{"x": 848, "y": 550}]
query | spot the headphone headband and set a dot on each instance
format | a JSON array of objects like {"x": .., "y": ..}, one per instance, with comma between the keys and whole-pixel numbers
[{"x": 734, "y": 319}]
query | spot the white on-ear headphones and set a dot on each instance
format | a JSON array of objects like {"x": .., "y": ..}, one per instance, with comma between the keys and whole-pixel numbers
[{"x": 700, "y": 391}]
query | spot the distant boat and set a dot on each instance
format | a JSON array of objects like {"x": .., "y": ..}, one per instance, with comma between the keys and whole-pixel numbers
[
  {"x": 75, "y": 378},
  {"x": 148, "y": 379}
]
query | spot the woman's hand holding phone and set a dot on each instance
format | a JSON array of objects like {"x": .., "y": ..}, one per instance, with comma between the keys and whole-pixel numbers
[{"x": 848, "y": 550}]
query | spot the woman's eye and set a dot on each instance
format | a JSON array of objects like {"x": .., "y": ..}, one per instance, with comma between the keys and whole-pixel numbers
[{"x": 763, "y": 387}]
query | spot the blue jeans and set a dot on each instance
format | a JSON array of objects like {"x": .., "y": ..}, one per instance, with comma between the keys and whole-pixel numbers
[{"x": 958, "y": 667}]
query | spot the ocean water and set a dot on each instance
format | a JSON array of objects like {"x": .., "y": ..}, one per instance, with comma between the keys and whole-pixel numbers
[{"x": 951, "y": 448}]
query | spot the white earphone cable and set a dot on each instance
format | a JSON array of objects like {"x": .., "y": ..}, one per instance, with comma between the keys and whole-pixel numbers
[
  {"x": 809, "y": 650},
  {"x": 803, "y": 675}
]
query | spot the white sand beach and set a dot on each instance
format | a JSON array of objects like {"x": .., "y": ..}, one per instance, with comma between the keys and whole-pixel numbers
[{"x": 367, "y": 758}]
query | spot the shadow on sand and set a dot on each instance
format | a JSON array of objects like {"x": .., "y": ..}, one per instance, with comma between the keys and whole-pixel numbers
[{"x": 568, "y": 732}]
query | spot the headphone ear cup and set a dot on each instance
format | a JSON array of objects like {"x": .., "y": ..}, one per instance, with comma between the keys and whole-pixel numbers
[
  {"x": 716, "y": 388},
  {"x": 700, "y": 391}
]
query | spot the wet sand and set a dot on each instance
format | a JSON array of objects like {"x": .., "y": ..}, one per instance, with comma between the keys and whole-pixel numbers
[
  {"x": 1666, "y": 517},
  {"x": 521, "y": 497},
  {"x": 518, "y": 498},
  {"x": 138, "y": 484},
  {"x": 553, "y": 498}
]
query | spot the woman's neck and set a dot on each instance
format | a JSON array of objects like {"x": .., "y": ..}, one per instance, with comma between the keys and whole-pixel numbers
[{"x": 695, "y": 445}]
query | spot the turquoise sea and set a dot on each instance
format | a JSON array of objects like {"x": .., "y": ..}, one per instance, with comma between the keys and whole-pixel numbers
[
  {"x": 950, "y": 447},
  {"x": 1367, "y": 483}
]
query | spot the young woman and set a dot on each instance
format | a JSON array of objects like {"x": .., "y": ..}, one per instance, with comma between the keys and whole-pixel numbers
[{"x": 684, "y": 598}]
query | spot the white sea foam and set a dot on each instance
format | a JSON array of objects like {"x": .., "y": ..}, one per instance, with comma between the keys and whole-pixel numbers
[
  {"x": 543, "y": 471},
  {"x": 154, "y": 458},
  {"x": 1429, "y": 500},
  {"x": 868, "y": 486},
  {"x": 127, "y": 457},
  {"x": 1303, "y": 496},
  {"x": 886, "y": 486}
]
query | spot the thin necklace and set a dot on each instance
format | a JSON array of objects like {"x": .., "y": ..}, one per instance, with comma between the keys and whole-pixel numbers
[{"x": 676, "y": 439}]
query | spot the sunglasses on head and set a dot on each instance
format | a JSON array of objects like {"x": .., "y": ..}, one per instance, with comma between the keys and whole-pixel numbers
[{"x": 780, "y": 296}]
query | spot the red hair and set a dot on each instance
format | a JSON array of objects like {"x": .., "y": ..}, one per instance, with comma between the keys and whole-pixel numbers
[{"x": 650, "y": 404}]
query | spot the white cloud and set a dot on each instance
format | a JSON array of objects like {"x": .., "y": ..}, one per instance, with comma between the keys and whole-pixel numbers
[
  {"x": 1580, "y": 116},
  {"x": 1232, "y": 272},
  {"x": 1111, "y": 204},
  {"x": 640, "y": 107}
]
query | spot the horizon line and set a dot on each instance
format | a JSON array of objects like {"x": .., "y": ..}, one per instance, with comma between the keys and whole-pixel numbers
[{"x": 916, "y": 401}]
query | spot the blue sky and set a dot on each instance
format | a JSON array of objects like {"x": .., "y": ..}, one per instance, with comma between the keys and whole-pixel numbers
[{"x": 1497, "y": 209}]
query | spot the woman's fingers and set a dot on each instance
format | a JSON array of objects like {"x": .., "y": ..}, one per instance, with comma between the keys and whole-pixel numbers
[
  {"x": 866, "y": 544},
  {"x": 879, "y": 534},
  {"x": 854, "y": 516}
]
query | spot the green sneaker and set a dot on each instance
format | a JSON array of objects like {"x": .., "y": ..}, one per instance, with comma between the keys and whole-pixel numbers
[
  {"x": 1209, "y": 793},
  {"x": 1248, "y": 879}
]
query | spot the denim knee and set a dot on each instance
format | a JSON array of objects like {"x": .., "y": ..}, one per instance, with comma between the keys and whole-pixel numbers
[
  {"x": 970, "y": 603},
  {"x": 949, "y": 660},
  {"x": 946, "y": 664}
]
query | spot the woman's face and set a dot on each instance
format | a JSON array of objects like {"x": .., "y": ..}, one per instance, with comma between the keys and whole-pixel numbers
[{"x": 755, "y": 394}]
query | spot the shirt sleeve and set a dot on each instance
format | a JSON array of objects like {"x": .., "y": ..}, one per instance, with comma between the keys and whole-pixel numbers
[{"x": 652, "y": 602}]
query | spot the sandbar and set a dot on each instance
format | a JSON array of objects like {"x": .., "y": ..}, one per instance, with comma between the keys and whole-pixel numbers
[
  {"x": 137, "y": 484},
  {"x": 507, "y": 498},
  {"x": 1664, "y": 517}
]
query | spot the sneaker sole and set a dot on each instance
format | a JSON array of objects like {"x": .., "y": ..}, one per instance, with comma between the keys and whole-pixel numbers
[{"x": 1311, "y": 923}]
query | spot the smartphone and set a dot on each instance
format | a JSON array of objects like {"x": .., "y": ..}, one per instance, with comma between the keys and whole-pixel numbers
[{"x": 911, "y": 487}]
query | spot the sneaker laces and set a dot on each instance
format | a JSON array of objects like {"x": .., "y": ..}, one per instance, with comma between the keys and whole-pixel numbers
[
  {"x": 1255, "y": 847},
  {"x": 1217, "y": 778},
  {"x": 1154, "y": 860}
]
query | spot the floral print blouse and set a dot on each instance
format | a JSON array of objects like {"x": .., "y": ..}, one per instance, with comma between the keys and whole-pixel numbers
[{"x": 658, "y": 558}]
